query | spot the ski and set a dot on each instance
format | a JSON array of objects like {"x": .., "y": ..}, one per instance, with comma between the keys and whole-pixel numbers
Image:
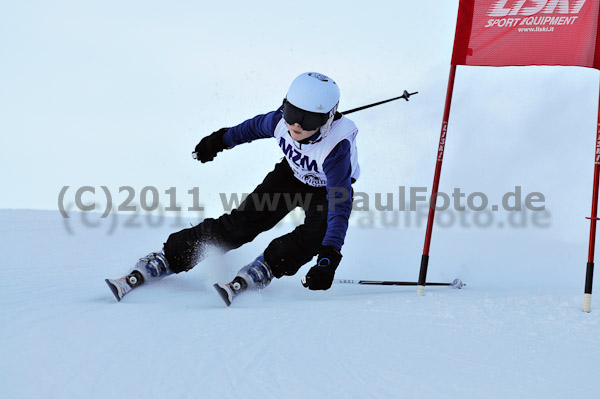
[
  {"x": 229, "y": 291},
  {"x": 225, "y": 293},
  {"x": 124, "y": 285}
]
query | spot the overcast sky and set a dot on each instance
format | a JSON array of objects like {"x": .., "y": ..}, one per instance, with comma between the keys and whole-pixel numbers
[{"x": 118, "y": 93}]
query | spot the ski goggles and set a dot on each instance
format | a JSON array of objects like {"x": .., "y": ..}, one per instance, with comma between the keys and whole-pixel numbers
[{"x": 306, "y": 119}]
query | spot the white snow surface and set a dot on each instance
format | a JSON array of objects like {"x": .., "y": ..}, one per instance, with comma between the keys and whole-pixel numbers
[{"x": 516, "y": 331}]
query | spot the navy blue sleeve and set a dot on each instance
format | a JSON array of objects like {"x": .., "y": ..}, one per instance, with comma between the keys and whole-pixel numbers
[
  {"x": 338, "y": 169},
  {"x": 259, "y": 127}
]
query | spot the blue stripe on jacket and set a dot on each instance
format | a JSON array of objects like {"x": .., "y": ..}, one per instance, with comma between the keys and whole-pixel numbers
[{"x": 259, "y": 127}]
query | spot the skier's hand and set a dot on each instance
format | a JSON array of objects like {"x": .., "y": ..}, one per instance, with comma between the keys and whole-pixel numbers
[
  {"x": 320, "y": 276},
  {"x": 210, "y": 146}
]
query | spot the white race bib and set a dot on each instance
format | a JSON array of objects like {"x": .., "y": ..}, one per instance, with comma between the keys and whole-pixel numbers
[{"x": 306, "y": 160}]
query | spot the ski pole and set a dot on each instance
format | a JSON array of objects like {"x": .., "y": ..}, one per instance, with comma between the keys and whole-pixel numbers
[
  {"x": 454, "y": 284},
  {"x": 404, "y": 95}
]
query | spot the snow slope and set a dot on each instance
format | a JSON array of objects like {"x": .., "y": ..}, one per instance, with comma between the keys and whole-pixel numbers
[{"x": 516, "y": 331}]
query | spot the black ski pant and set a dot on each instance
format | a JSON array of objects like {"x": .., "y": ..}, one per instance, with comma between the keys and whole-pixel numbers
[{"x": 271, "y": 201}]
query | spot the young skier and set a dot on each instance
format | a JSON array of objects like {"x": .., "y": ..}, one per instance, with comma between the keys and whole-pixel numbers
[{"x": 319, "y": 167}]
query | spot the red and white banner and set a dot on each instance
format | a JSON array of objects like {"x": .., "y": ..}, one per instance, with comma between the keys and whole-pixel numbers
[{"x": 528, "y": 32}]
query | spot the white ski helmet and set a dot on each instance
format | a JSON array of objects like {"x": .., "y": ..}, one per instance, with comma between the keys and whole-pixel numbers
[{"x": 316, "y": 93}]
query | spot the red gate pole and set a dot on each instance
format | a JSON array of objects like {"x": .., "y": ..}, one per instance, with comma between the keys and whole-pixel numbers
[
  {"x": 436, "y": 183},
  {"x": 589, "y": 275}
]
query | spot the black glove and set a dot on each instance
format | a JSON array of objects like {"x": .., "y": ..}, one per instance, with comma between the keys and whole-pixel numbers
[
  {"x": 208, "y": 148},
  {"x": 320, "y": 277}
]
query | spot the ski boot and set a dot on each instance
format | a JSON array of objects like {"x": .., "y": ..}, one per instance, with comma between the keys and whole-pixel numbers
[
  {"x": 254, "y": 276},
  {"x": 151, "y": 268}
]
